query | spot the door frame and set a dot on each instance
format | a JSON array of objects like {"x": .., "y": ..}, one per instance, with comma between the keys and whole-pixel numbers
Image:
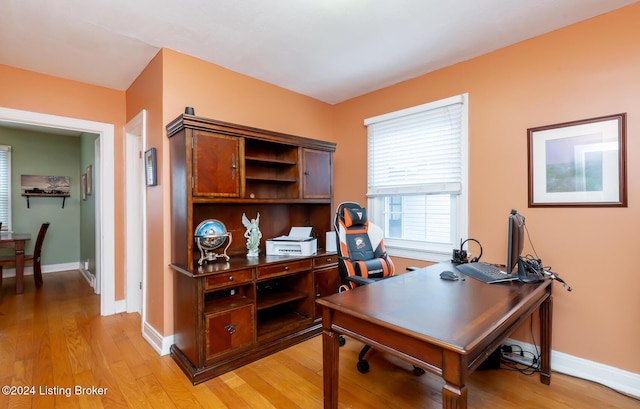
[
  {"x": 135, "y": 215},
  {"x": 105, "y": 249}
]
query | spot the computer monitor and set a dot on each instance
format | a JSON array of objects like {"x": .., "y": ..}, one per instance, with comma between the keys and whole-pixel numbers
[{"x": 516, "y": 240}]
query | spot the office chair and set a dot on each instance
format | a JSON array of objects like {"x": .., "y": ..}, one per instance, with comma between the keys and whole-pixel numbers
[
  {"x": 29, "y": 258},
  {"x": 362, "y": 258}
]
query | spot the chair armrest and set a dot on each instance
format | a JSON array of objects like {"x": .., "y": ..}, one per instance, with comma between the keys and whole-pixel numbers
[{"x": 360, "y": 280}]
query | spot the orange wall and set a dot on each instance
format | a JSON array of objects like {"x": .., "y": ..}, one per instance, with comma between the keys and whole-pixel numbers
[
  {"x": 30, "y": 91},
  {"x": 582, "y": 71},
  {"x": 146, "y": 93},
  {"x": 178, "y": 80}
]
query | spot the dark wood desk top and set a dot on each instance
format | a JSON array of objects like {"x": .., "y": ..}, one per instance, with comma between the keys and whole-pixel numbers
[{"x": 455, "y": 315}]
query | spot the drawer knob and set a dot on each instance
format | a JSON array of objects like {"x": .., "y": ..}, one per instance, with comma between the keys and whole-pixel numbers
[
  {"x": 230, "y": 278},
  {"x": 286, "y": 268},
  {"x": 329, "y": 260},
  {"x": 231, "y": 329}
]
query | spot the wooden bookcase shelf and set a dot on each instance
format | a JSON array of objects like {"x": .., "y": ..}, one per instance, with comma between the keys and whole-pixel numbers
[
  {"x": 225, "y": 304},
  {"x": 279, "y": 298},
  {"x": 272, "y": 325},
  {"x": 229, "y": 313},
  {"x": 269, "y": 161},
  {"x": 271, "y": 179}
]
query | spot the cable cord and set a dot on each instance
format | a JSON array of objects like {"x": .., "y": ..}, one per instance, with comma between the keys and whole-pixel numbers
[{"x": 546, "y": 270}]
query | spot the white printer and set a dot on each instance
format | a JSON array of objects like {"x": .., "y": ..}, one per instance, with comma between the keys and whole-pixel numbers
[{"x": 298, "y": 242}]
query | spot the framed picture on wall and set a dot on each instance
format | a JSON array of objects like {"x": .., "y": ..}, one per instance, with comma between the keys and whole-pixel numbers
[
  {"x": 579, "y": 163},
  {"x": 83, "y": 186},
  {"x": 89, "y": 180},
  {"x": 150, "y": 167}
]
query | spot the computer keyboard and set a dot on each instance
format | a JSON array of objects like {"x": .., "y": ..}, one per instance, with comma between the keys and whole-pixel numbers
[{"x": 485, "y": 272}]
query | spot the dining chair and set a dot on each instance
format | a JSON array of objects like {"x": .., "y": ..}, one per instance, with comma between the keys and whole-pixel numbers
[{"x": 30, "y": 258}]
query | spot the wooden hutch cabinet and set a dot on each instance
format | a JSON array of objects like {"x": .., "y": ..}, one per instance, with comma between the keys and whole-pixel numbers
[{"x": 230, "y": 313}]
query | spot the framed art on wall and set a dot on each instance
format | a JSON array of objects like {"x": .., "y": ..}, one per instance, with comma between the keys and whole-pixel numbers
[
  {"x": 89, "y": 174},
  {"x": 83, "y": 186},
  {"x": 578, "y": 163},
  {"x": 150, "y": 167}
]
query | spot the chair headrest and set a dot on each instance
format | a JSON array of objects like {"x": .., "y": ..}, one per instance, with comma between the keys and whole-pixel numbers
[{"x": 355, "y": 216}]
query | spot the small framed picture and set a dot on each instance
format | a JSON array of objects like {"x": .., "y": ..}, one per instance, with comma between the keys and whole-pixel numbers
[
  {"x": 83, "y": 186},
  {"x": 579, "y": 164},
  {"x": 89, "y": 180},
  {"x": 150, "y": 167}
]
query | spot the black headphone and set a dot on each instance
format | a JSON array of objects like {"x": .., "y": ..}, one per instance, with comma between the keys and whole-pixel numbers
[{"x": 475, "y": 259}]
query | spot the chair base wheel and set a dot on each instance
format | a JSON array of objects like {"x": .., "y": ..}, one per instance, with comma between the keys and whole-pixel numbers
[
  {"x": 363, "y": 366},
  {"x": 341, "y": 341}
]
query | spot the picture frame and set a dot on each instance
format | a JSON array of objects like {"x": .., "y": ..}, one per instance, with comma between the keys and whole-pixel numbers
[
  {"x": 83, "y": 186},
  {"x": 89, "y": 180},
  {"x": 150, "y": 167},
  {"x": 579, "y": 163}
]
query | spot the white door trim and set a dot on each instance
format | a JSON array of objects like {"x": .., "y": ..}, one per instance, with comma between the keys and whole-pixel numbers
[
  {"x": 106, "y": 218},
  {"x": 135, "y": 215},
  {"x": 97, "y": 211}
]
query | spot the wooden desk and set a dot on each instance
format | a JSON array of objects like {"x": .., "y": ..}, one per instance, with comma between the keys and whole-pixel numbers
[
  {"x": 17, "y": 241},
  {"x": 445, "y": 327}
]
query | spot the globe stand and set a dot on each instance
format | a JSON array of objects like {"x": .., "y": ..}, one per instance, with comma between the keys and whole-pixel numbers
[{"x": 207, "y": 253}]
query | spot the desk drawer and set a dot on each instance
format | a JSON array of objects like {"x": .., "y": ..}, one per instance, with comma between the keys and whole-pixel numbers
[
  {"x": 284, "y": 268},
  {"x": 326, "y": 260},
  {"x": 230, "y": 278}
]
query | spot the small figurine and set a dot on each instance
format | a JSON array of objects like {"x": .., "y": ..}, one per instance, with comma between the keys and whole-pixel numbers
[{"x": 253, "y": 235}]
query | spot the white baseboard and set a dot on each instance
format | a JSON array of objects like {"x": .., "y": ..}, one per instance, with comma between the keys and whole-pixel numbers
[
  {"x": 91, "y": 279},
  {"x": 49, "y": 268},
  {"x": 120, "y": 306},
  {"x": 156, "y": 340},
  {"x": 615, "y": 378}
]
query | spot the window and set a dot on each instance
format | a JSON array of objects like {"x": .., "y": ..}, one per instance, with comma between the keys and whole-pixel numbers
[
  {"x": 417, "y": 178},
  {"x": 5, "y": 187}
]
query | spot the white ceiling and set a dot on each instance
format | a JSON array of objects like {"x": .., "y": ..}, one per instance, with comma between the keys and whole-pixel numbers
[{"x": 331, "y": 50}]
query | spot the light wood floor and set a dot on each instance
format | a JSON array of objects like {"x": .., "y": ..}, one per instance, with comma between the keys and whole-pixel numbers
[{"x": 53, "y": 340}]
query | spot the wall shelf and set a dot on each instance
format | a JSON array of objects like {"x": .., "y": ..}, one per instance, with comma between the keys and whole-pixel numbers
[{"x": 64, "y": 196}]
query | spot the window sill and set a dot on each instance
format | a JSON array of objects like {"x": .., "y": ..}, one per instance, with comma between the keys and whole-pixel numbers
[{"x": 423, "y": 255}]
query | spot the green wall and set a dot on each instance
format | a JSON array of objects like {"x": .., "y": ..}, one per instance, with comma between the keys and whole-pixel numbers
[{"x": 37, "y": 153}]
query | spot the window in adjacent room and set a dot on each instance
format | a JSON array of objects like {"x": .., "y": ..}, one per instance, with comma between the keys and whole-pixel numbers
[
  {"x": 5, "y": 187},
  {"x": 417, "y": 178}
]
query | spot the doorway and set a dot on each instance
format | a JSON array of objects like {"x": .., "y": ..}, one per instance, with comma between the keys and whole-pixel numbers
[
  {"x": 105, "y": 241},
  {"x": 135, "y": 215}
]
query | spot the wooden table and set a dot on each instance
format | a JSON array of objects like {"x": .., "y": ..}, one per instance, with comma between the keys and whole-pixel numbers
[
  {"x": 17, "y": 241},
  {"x": 445, "y": 327}
]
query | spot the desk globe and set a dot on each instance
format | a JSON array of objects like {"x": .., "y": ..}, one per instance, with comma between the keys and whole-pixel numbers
[{"x": 211, "y": 235}]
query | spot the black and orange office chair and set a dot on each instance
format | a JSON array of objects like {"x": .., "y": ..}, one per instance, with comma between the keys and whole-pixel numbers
[{"x": 362, "y": 258}]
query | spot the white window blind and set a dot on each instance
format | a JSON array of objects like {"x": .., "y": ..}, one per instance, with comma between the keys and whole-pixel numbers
[
  {"x": 416, "y": 152},
  {"x": 5, "y": 186},
  {"x": 417, "y": 165}
]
